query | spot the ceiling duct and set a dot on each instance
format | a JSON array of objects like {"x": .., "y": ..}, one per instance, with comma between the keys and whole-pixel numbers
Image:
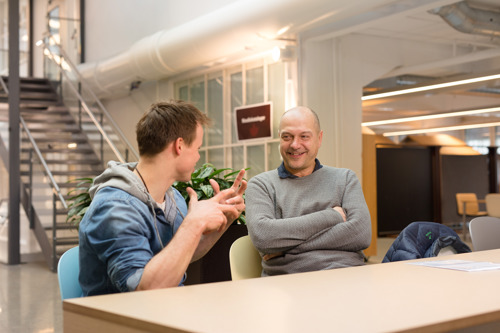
[
  {"x": 240, "y": 29},
  {"x": 470, "y": 20}
]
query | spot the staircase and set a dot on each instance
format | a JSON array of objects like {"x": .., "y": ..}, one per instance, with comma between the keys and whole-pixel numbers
[{"x": 66, "y": 152}]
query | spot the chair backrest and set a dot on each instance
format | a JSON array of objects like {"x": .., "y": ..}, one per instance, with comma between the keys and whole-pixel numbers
[
  {"x": 485, "y": 233},
  {"x": 244, "y": 259},
  {"x": 68, "y": 270},
  {"x": 471, "y": 204},
  {"x": 493, "y": 204}
]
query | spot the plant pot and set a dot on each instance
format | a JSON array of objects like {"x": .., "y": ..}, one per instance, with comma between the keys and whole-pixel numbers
[{"x": 214, "y": 266}]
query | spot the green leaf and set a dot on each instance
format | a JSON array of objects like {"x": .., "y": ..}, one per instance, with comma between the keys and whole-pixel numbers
[
  {"x": 208, "y": 191},
  {"x": 216, "y": 172},
  {"x": 233, "y": 174},
  {"x": 206, "y": 172},
  {"x": 224, "y": 184}
]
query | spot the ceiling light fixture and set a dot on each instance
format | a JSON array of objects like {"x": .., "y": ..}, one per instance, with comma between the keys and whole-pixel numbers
[
  {"x": 431, "y": 116},
  {"x": 284, "y": 53},
  {"x": 441, "y": 129},
  {"x": 431, "y": 87}
]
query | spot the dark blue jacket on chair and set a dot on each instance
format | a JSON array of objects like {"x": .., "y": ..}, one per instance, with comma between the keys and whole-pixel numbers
[{"x": 424, "y": 240}]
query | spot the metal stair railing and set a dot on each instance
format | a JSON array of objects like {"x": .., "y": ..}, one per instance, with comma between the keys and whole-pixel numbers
[
  {"x": 73, "y": 82},
  {"x": 27, "y": 195}
]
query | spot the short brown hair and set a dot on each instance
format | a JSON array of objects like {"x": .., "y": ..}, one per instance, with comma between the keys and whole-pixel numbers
[{"x": 164, "y": 122}]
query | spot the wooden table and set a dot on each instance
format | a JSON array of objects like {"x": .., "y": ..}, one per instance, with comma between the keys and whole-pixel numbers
[{"x": 390, "y": 297}]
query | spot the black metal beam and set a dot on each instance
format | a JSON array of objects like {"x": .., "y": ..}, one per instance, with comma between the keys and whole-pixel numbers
[
  {"x": 436, "y": 184},
  {"x": 82, "y": 31},
  {"x": 14, "y": 253},
  {"x": 30, "y": 38},
  {"x": 492, "y": 168}
]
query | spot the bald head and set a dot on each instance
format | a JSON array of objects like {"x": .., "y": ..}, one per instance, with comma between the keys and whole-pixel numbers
[
  {"x": 300, "y": 140},
  {"x": 304, "y": 112}
]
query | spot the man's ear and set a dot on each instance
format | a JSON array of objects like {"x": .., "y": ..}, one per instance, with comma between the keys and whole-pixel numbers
[{"x": 178, "y": 145}]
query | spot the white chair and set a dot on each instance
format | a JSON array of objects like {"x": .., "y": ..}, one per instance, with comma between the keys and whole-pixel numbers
[
  {"x": 244, "y": 259},
  {"x": 493, "y": 204},
  {"x": 485, "y": 233}
]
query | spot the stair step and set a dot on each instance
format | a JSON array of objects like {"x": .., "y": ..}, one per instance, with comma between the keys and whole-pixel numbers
[
  {"x": 63, "y": 121},
  {"x": 78, "y": 150},
  {"x": 66, "y": 240},
  {"x": 63, "y": 226},
  {"x": 31, "y": 104},
  {"x": 68, "y": 130},
  {"x": 68, "y": 162},
  {"x": 38, "y": 95},
  {"x": 79, "y": 173},
  {"x": 30, "y": 80},
  {"x": 44, "y": 111},
  {"x": 58, "y": 140}
]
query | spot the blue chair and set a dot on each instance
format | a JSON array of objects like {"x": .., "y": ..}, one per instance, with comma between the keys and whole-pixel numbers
[{"x": 68, "y": 270}]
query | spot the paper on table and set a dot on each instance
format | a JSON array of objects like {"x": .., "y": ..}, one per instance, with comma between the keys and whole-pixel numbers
[{"x": 461, "y": 265}]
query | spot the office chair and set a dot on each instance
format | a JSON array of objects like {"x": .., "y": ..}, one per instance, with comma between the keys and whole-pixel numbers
[
  {"x": 468, "y": 205},
  {"x": 485, "y": 233},
  {"x": 244, "y": 259},
  {"x": 68, "y": 269},
  {"x": 492, "y": 204}
]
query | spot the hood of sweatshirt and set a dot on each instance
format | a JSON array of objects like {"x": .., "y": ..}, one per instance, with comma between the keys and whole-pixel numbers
[{"x": 121, "y": 176}]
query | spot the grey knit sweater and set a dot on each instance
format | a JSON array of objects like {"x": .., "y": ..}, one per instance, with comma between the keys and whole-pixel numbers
[{"x": 296, "y": 217}]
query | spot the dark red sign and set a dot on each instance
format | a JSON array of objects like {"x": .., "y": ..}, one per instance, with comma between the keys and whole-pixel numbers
[{"x": 254, "y": 121}]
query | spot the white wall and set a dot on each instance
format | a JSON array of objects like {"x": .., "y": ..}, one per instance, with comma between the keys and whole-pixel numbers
[{"x": 39, "y": 27}]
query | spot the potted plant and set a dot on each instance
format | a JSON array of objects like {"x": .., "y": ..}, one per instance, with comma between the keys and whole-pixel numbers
[
  {"x": 79, "y": 201},
  {"x": 214, "y": 266}
]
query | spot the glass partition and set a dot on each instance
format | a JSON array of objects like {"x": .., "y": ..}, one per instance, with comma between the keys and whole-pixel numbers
[
  {"x": 215, "y": 133},
  {"x": 223, "y": 91}
]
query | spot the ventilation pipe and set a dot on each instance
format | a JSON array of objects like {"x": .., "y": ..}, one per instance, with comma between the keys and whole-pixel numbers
[
  {"x": 470, "y": 20},
  {"x": 239, "y": 29}
]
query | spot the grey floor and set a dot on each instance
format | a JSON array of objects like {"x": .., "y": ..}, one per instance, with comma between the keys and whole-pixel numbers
[{"x": 30, "y": 300}]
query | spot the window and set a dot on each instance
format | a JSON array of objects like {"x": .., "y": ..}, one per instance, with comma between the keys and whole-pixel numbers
[
  {"x": 479, "y": 139},
  {"x": 218, "y": 93}
]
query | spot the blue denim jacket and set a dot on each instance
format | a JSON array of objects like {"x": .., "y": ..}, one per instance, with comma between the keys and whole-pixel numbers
[{"x": 122, "y": 230}]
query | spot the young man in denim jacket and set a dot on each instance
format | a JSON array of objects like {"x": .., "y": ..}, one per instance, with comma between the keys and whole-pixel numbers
[{"x": 138, "y": 233}]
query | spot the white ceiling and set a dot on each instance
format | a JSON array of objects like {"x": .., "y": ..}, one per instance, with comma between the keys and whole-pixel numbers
[{"x": 475, "y": 54}]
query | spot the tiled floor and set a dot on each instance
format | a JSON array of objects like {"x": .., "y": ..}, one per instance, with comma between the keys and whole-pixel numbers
[{"x": 30, "y": 299}]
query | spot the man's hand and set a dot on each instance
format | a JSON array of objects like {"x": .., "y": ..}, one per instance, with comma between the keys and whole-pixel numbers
[
  {"x": 267, "y": 257},
  {"x": 236, "y": 200},
  {"x": 211, "y": 212},
  {"x": 341, "y": 211}
]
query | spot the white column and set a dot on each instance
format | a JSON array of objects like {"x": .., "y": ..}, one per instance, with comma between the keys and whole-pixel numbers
[{"x": 333, "y": 73}]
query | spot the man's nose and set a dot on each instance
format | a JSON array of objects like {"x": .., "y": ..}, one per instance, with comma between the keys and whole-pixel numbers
[{"x": 295, "y": 143}]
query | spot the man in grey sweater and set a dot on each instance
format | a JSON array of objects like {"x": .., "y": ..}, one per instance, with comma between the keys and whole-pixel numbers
[{"x": 304, "y": 216}]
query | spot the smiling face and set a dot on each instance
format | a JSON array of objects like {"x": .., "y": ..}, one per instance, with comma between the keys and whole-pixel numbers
[{"x": 300, "y": 139}]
